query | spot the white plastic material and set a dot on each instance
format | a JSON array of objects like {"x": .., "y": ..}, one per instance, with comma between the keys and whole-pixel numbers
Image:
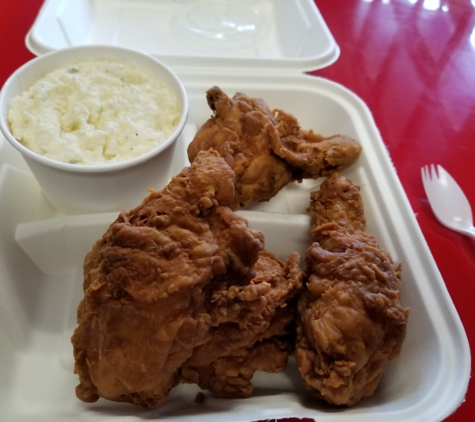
[
  {"x": 449, "y": 203},
  {"x": 41, "y": 255},
  {"x": 275, "y": 35},
  {"x": 74, "y": 188}
]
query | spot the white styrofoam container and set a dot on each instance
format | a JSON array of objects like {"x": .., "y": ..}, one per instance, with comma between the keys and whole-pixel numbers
[
  {"x": 270, "y": 34},
  {"x": 41, "y": 256},
  {"x": 41, "y": 252}
]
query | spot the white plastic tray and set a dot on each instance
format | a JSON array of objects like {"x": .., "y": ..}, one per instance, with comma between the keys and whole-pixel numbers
[
  {"x": 41, "y": 255},
  {"x": 271, "y": 34}
]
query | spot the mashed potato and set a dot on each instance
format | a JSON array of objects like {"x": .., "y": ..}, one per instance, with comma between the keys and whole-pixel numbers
[{"x": 94, "y": 112}]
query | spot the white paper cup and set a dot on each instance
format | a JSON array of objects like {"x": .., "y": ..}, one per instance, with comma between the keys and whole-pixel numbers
[{"x": 76, "y": 189}]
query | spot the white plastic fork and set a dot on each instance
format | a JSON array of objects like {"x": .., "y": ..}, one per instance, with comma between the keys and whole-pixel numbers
[{"x": 448, "y": 202}]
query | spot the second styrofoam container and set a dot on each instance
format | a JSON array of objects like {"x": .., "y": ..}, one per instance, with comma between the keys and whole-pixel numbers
[{"x": 257, "y": 34}]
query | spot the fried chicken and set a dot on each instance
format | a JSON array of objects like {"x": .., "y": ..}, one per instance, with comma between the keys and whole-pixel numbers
[
  {"x": 267, "y": 149},
  {"x": 350, "y": 321},
  {"x": 240, "y": 130},
  {"x": 169, "y": 277},
  {"x": 242, "y": 341}
]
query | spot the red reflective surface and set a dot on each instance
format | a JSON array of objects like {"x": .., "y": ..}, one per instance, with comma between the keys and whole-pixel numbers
[{"x": 413, "y": 63}]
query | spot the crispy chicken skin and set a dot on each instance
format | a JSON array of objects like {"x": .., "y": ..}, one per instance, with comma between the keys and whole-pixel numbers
[
  {"x": 311, "y": 155},
  {"x": 240, "y": 130},
  {"x": 267, "y": 149},
  {"x": 251, "y": 339},
  {"x": 350, "y": 322},
  {"x": 164, "y": 278}
]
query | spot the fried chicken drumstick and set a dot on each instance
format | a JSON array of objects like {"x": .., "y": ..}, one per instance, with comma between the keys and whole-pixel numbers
[
  {"x": 165, "y": 285},
  {"x": 267, "y": 149},
  {"x": 350, "y": 321}
]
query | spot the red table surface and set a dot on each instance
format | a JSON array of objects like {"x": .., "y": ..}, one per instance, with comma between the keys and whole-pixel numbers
[{"x": 413, "y": 63}]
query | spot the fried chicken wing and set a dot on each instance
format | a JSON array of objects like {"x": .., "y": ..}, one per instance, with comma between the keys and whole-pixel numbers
[
  {"x": 164, "y": 278},
  {"x": 311, "y": 155},
  {"x": 267, "y": 149},
  {"x": 350, "y": 321},
  {"x": 240, "y": 131}
]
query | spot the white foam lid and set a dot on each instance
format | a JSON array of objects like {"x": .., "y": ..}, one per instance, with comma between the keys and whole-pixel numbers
[{"x": 276, "y": 35}]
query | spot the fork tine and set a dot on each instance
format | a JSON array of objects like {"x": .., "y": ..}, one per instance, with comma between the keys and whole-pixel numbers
[
  {"x": 446, "y": 178},
  {"x": 425, "y": 174},
  {"x": 442, "y": 172},
  {"x": 434, "y": 173}
]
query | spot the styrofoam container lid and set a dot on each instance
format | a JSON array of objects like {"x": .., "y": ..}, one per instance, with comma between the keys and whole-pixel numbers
[{"x": 277, "y": 35}]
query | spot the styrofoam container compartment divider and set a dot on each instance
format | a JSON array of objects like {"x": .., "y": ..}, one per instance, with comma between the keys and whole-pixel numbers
[{"x": 41, "y": 251}]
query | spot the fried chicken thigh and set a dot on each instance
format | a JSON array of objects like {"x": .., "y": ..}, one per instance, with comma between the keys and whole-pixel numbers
[
  {"x": 267, "y": 149},
  {"x": 169, "y": 278},
  {"x": 350, "y": 321},
  {"x": 247, "y": 341}
]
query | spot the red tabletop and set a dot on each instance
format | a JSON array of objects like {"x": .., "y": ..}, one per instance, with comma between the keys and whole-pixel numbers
[{"x": 413, "y": 63}]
